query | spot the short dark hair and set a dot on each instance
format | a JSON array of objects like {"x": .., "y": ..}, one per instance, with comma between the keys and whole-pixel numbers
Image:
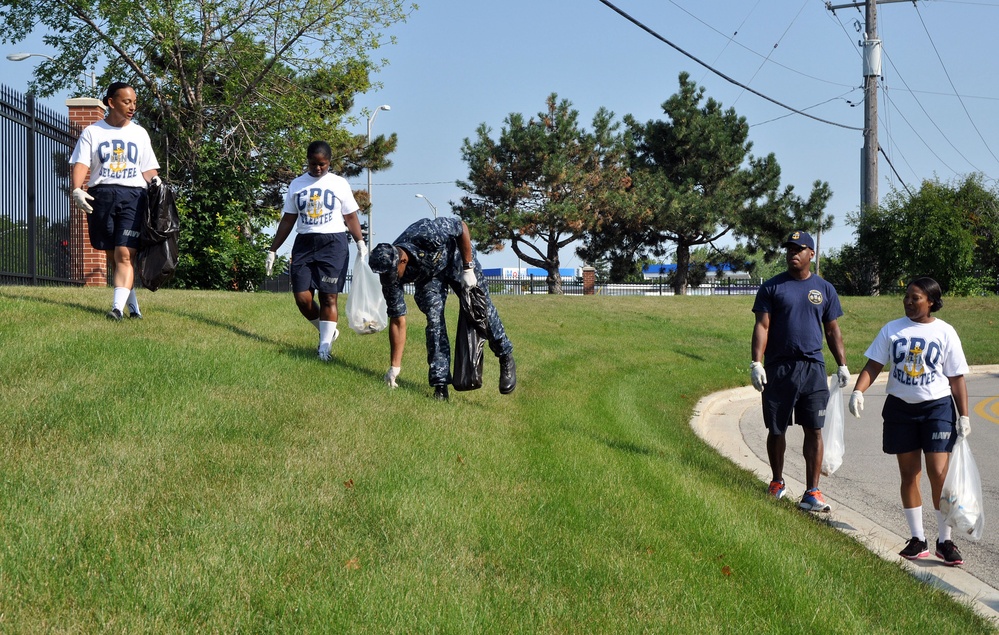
[
  {"x": 932, "y": 290},
  {"x": 320, "y": 148},
  {"x": 113, "y": 89}
]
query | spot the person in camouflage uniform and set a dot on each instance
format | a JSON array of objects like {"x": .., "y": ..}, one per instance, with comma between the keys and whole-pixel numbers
[{"x": 435, "y": 254}]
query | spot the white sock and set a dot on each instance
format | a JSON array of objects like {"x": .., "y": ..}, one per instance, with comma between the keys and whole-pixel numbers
[
  {"x": 120, "y": 296},
  {"x": 943, "y": 527},
  {"x": 914, "y": 516},
  {"x": 327, "y": 332},
  {"x": 133, "y": 303},
  {"x": 315, "y": 323}
]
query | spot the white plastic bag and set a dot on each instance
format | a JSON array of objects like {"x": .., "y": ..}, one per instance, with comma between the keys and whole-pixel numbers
[
  {"x": 961, "y": 498},
  {"x": 367, "y": 311},
  {"x": 832, "y": 433}
]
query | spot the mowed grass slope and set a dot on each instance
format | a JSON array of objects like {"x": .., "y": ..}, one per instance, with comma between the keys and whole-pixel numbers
[{"x": 202, "y": 471}]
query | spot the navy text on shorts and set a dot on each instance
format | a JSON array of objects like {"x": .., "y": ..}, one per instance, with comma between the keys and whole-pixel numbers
[
  {"x": 926, "y": 426},
  {"x": 319, "y": 262},
  {"x": 795, "y": 387},
  {"x": 117, "y": 217}
]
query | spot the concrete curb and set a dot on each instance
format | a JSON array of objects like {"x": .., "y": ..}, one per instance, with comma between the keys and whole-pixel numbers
[{"x": 716, "y": 420}]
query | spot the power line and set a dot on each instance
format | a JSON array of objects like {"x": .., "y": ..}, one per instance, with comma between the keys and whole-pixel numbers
[
  {"x": 887, "y": 160},
  {"x": 417, "y": 183},
  {"x": 913, "y": 93},
  {"x": 843, "y": 97},
  {"x": 921, "y": 107},
  {"x": 949, "y": 79},
  {"x": 980, "y": 4},
  {"x": 916, "y": 132},
  {"x": 891, "y": 140},
  {"x": 719, "y": 73},
  {"x": 730, "y": 39},
  {"x": 938, "y": 93},
  {"x": 774, "y": 47}
]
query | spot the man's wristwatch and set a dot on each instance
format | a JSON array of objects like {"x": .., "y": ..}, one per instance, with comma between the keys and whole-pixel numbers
[{"x": 468, "y": 266}]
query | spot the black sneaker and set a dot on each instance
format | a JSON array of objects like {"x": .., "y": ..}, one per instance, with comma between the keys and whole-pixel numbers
[
  {"x": 114, "y": 315},
  {"x": 947, "y": 551},
  {"x": 914, "y": 549},
  {"x": 508, "y": 374},
  {"x": 135, "y": 316},
  {"x": 133, "y": 312},
  {"x": 440, "y": 393}
]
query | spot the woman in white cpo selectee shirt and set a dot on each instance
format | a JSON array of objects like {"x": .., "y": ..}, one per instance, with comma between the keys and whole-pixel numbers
[
  {"x": 119, "y": 158},
  {"x": 925, "y": 385}
]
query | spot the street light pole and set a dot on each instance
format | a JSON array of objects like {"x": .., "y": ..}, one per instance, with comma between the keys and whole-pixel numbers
[
  {"x": 20, "y": 57},
  {"x": 432, "y": 206},
  {"x": 371, "y": 231}
]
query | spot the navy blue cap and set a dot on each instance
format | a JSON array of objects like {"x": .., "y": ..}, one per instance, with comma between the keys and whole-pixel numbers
[{"x": 801, "y": 238}]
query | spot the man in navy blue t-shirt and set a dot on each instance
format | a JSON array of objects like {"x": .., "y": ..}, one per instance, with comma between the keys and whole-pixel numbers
[{"x": 794, "y": 310}]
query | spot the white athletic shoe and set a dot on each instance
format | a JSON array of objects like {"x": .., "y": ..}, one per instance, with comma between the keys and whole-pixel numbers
[{"x": 324, "y": 351}]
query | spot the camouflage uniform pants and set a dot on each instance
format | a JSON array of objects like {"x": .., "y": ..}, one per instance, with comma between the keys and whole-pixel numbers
[{"x": 430, "y": 298}]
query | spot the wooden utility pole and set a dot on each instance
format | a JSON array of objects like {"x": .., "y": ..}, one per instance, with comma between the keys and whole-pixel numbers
[
  {"x": 869, "y": 166},
  {"x": 872, "y": 70}
]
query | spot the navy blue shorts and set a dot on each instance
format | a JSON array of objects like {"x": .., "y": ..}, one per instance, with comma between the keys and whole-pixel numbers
[
  {"x": 319, "y": 262},
  {"x": 795, "y": 387},
  {"x": 927, "y": 426},
  {"x": 117, "y": 217}
]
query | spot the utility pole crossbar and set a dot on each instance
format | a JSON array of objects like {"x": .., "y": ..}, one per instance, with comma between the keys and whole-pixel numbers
[{"x": 831, "y": 7}]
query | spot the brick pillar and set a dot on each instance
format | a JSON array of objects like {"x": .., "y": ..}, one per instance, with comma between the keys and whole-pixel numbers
[
  {"x": 589, "y": 280},
  {"x": 87, "y": 264}
]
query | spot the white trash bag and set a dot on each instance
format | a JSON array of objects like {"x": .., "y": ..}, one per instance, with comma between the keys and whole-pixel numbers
[
  {"x": 833, "y": 431},
  {"x": 367, "y": 311},
  {"x": 961, "y": 498}
]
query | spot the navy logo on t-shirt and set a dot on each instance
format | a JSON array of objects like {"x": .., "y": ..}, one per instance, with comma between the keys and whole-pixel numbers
[{"x": 815, "y": 296}]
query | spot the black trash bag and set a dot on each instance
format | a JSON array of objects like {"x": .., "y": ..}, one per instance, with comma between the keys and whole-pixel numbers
[
  {"x": 158, "y": 242},
  {"x": 470, "y": 340}
]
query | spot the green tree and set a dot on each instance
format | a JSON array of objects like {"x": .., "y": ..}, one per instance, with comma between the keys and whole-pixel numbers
[
  {"x": 849, "y": 270},
  {"x": 694, "y": 182},
  {"x": 542, "y": 184},
  {"x": 947, "y": 231},
  {"x": 248, "y": 83}
]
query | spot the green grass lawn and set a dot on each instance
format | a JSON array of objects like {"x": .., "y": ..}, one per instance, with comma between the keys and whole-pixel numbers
[{"x": 201, "y": 471}]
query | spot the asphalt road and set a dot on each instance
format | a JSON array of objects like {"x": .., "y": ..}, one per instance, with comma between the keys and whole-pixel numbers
[{"x": 864, "y": 491}]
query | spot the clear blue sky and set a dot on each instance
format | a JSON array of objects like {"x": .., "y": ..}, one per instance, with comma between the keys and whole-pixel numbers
[{"x": 457, "y": 64}]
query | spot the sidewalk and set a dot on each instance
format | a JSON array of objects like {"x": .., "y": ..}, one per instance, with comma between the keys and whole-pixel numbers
[{"x": 717, "y": 419}]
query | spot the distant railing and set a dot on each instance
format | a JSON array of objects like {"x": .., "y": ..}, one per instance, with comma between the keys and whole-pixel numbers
[{"x": 538, "y": 285}]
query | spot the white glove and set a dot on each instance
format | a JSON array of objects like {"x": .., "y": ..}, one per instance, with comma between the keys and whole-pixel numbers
[
  {"x": 269, "y": 263},
  {"x": 963, "y": 427},
  {"x": 468, "y": 278},
  {"x": 856, "y": 403},
  {"x": 391, "y": 375},
  {"x": 80, "y": 197},
  {"x": 362, "y": 249},
  {"x": 156, "y": 180},
  {"x": 758, "y": 374},
  {"x": 844, "y": 376}
]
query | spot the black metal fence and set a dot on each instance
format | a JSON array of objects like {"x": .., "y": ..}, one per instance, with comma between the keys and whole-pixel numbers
[
  {"x": 35, "y": 232},
  {"x": 538, "y": 285}
]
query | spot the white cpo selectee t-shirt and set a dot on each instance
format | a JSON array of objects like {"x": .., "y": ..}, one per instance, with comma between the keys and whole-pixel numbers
[
  {"x": 921, "y": 358},
  {"x": 115, "y": 156}
]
